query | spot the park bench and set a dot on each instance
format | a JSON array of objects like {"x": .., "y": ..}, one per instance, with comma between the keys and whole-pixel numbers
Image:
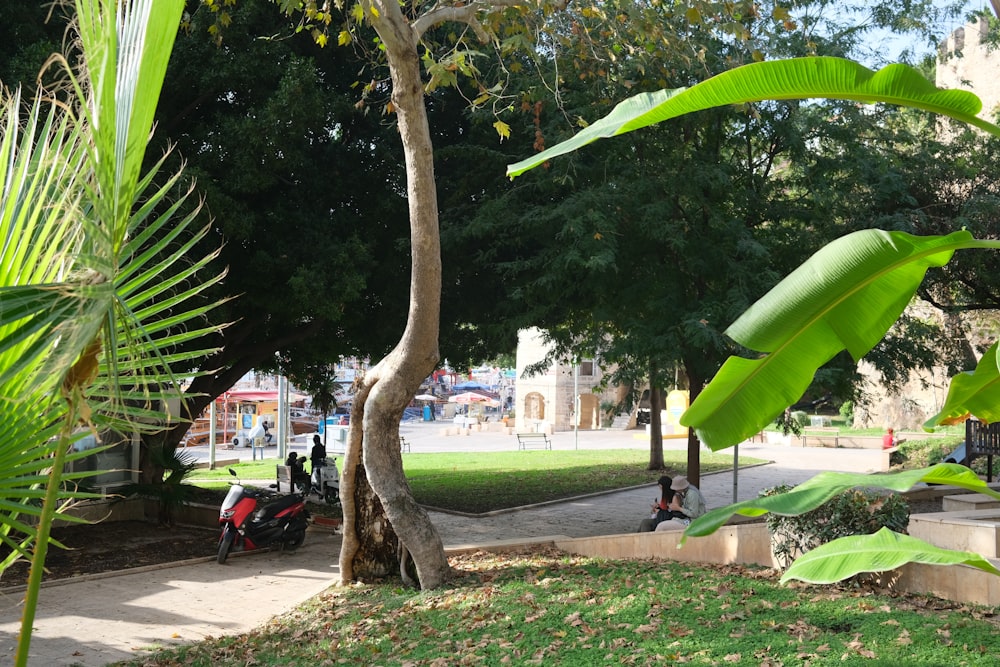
[
  {"x": 526, "y": 440},
  {"x": 284, "y": 474},
  {"x": 404, "y": 446},
  {"x": 887, "y": 458}
]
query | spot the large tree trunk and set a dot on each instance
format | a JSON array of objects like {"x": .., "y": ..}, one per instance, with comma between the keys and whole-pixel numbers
[
  {"x": 388, "y": 387},
  {"x": 695, "y": 383},
  {"x": 369, "y": 547},
  {"x": 655, "y": 423}
]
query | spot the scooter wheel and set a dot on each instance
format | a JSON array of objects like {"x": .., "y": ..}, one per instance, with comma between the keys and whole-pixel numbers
[
  {"x": 295, "y": 540},
  {"x": 225, "y": 544}
]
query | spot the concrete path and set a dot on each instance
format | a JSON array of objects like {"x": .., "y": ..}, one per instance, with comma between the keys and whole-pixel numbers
[{"x": 90, "y": 623}]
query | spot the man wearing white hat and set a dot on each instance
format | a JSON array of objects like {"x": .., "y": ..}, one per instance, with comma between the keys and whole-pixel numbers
[{"x": 687, "y": 500}]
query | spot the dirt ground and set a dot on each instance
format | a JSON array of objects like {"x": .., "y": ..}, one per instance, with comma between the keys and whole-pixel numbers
[{"x": 116, "y": 545}]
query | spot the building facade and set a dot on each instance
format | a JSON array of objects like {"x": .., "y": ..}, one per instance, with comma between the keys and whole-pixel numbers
[{"x": 563, "y": 396}]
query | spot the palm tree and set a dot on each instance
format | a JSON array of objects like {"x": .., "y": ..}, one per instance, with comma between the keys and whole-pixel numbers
[{"x": 97, "y": 291}]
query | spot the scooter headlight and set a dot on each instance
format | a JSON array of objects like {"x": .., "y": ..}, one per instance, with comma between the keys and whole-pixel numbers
[{"x": 227, "y": 514}]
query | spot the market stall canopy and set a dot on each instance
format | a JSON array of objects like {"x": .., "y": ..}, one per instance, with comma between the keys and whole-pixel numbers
[
  {"x": 250, "y": 396},
  {"x": 472, "y": 397},
  {"x": 471, "y": 385},
  {"x": 425, "y": 397}
]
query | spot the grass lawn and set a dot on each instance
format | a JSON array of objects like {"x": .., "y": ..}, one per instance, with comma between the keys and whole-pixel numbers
[
  {"x": 543, "y": 607},
  {"x": 486, "y": 481},
  {"x": 548, "y": 608}
]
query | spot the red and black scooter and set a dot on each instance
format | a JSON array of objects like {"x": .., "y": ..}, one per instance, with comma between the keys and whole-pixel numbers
[{"x": 281, "y": 523}]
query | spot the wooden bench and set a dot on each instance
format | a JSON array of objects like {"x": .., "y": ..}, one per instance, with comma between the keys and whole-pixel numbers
[
  {"x": 526, "y": 440},
  {"x": 284, "y": 474}
]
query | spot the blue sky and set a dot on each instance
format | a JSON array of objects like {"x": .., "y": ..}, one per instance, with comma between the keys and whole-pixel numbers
[{"x": 892, "y": 47}]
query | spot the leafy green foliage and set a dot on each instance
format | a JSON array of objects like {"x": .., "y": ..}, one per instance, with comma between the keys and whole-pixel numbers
[
  {"x": 846, "y": 296},
  {"x": 800, "y": 418},
  {"x": 95, "y": 276},
  {"x": 173, "y": 492},
  {"x": 796, "y": 78},
  {"x": 303, "y": 191},
  {"x": 807, "y": 339},
  {"x": 976, "y": 393},
  {"x": 823, "y": 487},
  {"x": 853, "y": 512},
  {"x": 925, "y": 452}
]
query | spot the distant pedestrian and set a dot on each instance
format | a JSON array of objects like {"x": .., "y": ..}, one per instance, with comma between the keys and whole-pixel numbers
[
  {"x": 318, "y": 454},
  {"x": 318, "y": 459}
]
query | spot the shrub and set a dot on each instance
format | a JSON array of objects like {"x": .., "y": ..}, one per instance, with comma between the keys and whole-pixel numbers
[
  {"x": 800, "y": 418},
  {"x": 854, "y": 512},
  {"x": 924, "y": 453},
  {"x": 847, "y": 411}
]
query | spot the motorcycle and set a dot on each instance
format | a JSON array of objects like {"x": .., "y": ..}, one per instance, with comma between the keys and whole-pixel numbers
[
  {"x": 246, "y": 527},
  {"x": 325, "y": 481}
]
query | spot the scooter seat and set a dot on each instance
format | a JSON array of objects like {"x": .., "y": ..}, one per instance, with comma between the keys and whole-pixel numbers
[{"x": 272, "y": 509}]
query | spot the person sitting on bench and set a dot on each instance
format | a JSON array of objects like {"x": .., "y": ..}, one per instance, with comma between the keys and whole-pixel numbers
[
  {"x": 300, "y": 478},
  {"x": 687, "y": 504},
  {"x": 660, "y": 511}
]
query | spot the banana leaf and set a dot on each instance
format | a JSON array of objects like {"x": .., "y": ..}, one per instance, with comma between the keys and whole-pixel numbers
[
  {"x": 976, "y": 393},
  {"x": 879, "y": 552},
  {"x": 814, "y": 492},
  {"x": 795, "y": 78},
  {"x": 846, "y": 296}
]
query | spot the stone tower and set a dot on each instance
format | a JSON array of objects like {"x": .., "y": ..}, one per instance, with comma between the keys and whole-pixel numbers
[{"x": 964, "y": 61}]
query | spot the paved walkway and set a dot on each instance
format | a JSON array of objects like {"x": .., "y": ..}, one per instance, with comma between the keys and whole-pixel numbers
[{"x": 91, "y": 623}]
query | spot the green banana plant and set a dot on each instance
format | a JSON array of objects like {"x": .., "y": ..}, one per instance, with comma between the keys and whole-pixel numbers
[
  {"x": 844, "y": 297},
  {"x": 879, "y": 552},
  {"x": 814, "y": 492},
  {"x": 795, "y": 78},
  {"x": 99, "y": 292},
  {"x": 972, "y": 393}
]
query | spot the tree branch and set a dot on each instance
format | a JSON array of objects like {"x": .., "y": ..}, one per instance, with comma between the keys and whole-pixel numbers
[{"x": 465, "y": 14}]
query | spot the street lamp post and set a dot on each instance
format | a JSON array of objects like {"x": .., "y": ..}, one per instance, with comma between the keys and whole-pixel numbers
[{"x": 576, "y": 404}]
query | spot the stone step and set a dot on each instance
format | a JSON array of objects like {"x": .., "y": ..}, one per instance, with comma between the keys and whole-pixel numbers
[{"x": 621, "y": 422}]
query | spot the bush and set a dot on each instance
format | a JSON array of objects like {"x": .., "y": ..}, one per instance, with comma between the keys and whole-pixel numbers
[
  {"x": 847, "y": 411},
  {"x": 800, "y": 418},
  {"x": 924, "y": 453},
  {"x": 854, "y": 512}
]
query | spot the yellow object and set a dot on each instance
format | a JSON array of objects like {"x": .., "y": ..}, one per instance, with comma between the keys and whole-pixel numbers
[{"x": 677, "y": 403}]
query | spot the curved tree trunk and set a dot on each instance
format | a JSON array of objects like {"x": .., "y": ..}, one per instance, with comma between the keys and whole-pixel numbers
[
  {"x": 387, "y": 388},
  {"x": 369, "y": 547}
]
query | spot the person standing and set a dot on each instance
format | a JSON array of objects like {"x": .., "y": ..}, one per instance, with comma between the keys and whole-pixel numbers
[{"x": 318, "y": 459}]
